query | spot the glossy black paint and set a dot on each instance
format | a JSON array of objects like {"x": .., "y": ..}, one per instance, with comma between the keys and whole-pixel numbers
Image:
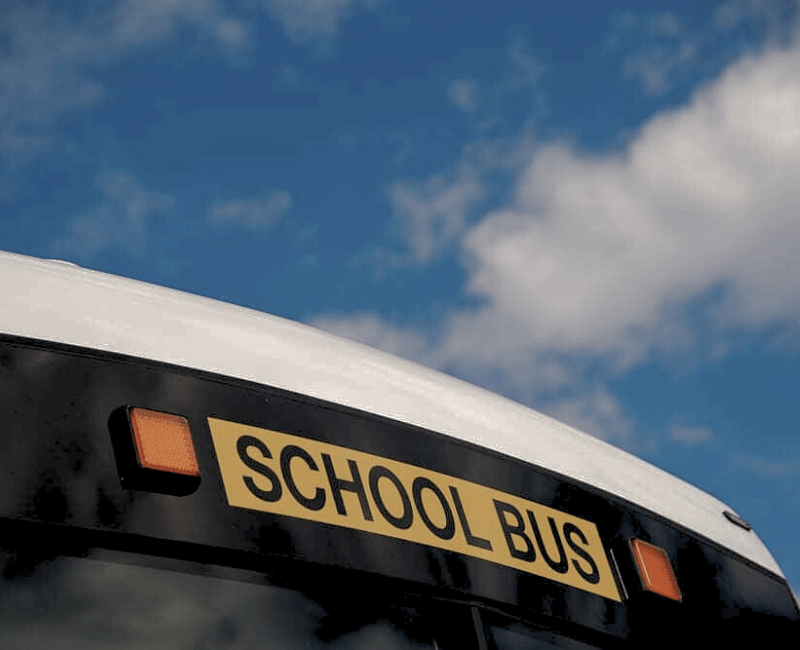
[{"x": 60, "y": 492}]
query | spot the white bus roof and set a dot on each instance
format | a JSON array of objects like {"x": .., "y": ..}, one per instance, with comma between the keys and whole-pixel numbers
[{"x": 61, "y": 302}]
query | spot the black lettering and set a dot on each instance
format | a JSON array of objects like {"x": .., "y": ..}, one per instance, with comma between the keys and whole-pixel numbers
[
  {"x": 317, "y": 502},
  {"x": 242, "y": 445},
  {"x": 405, "y": 520},
  {"x": 592, "y": 576},
  {"x": 517, "y": 529},
  {"x": 462, "y": 517},
  {"x": 355, "y": 485},
  {"x": 561, "y": 566},
  {"x": 449, "y": 529}
]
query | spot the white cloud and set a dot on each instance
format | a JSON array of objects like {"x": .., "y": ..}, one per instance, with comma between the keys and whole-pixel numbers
[
  {"x": 463, "y": 93},
  {"x": 600, "y": 259},
  {"x": 119, "y": 220},
  {"x": 313, "y": 21},
  {"x": 252, "y": 213},
  {"x": 596, "y": 254},
  {"x": 690, "y": 436}
]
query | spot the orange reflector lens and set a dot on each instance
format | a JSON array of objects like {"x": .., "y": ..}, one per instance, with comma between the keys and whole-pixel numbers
[
  {"x": 655, "y": 570},
  {"x": 164, "y": 442}
]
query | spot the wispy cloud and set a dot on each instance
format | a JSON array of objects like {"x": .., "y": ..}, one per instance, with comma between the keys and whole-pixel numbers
[
  {"x": 775, "y": 15},
  {"x": 51, "y": 60},
  {"x": 372, "y": 330},
  {"x": 255, "y": 213},
  {"x": 689, "y": 436},
  {"x": 435, "y": 214},
  {"x": 597, "y": 412},
  {"x": 119, "y": 220},
  {"x": 656, "y": 68},
  {"x": 526, "y": 69},
  {"x": 314, "y": 21},
  {"x": 662, "y": 50},
  {"x": 770, "y": 469},
  {"x": 520, "y": 82},
  {"x": 463, "y": 93}
]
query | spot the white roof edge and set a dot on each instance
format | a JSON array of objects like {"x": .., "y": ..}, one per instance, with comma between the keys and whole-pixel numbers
[{"x": 64, "y": 303}]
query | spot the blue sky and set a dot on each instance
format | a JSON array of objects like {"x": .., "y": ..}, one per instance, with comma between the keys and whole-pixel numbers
[{"x": 589, "y": 207}]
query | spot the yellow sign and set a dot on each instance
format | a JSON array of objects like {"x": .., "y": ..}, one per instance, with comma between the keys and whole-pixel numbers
[{"x": 288, "y": 475}]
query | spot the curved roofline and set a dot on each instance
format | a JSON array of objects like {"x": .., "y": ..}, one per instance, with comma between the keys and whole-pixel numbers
[{"x": 61, "y": 302}]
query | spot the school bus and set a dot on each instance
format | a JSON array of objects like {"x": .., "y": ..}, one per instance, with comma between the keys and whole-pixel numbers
[{"x": 176, "y": 472}]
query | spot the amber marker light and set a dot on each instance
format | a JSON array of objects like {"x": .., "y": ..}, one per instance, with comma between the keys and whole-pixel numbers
[
  {"x": 655, "y": 570},
  {"x": 154, "y": 451},
  {"x": 163, "y": 442}
]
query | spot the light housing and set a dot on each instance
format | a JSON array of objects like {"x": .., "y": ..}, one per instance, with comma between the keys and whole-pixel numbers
[
  {"x": 655, "y": 570},
  {"x": 154, "y": 451}
]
